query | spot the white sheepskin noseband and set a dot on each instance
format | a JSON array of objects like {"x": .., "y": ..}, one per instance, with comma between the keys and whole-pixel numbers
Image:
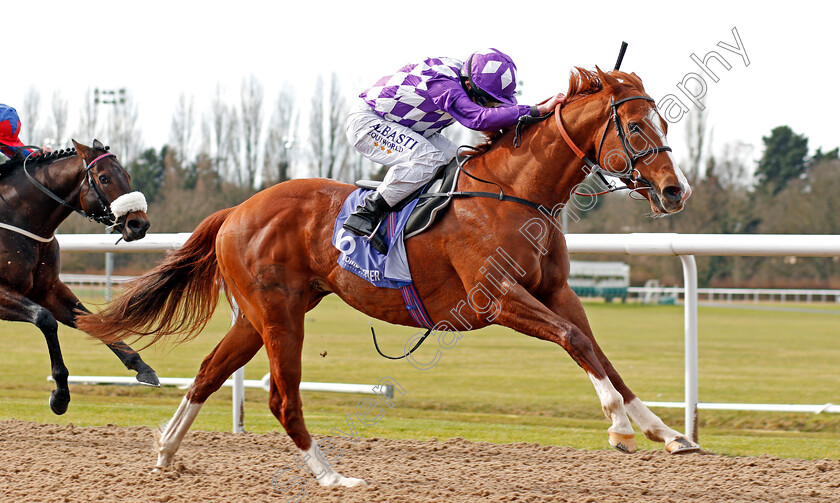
[{"x": 126, "y": 203}]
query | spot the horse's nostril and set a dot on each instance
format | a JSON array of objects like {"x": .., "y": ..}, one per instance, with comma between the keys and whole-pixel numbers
[
  {"x": 136, "y": 225},
  {"x": 673, "y": 193}
]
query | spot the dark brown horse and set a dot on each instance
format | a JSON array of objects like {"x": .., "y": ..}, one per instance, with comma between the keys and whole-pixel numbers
[
  {"x": 274, "y": 256},
  {"x": 36, "y": 195}
]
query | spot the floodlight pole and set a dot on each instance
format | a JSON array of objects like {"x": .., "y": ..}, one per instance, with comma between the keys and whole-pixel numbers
[{"x": 109, "y": 97}]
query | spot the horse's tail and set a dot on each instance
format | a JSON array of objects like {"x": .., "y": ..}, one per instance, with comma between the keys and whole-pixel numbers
[{"x": 178, "y": 296}]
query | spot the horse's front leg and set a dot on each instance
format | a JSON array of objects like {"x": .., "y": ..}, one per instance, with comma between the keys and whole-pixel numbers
[
  {"x": 65, "y": 306},
  {"x": 567, "y": 305},
  {"x": 16, "y": 307},
  {"x": 524, "y": 313}
]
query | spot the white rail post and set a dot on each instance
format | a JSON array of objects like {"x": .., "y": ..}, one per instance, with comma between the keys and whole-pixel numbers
[
  {"x": 691, "y": 385},
  {"x": 238, "y": 398},
  {"x": 109, "y": 270}
]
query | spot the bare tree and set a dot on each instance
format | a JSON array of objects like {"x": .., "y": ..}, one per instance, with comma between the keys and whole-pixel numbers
[
  {"x": 251, "y": 126},
  {"x": 59, "y": 119},
  {"x": 698, "y": 136},
  {"x": 219, "y": 131},
  {"x": 29, "y": 118},
  {"x": 326, "y": 130},
  {"x": 89, "y": 118},
  {"x": 123, "y": 132},
  {"x": 182, "y": 127},
  {"x": 281, "y": 138},
  {"x": 338, "y": 148},
  {"x": 234, "y": 147},
  {"x": 731, "y": 168},
  {"x": 316, "y": 129},
  {"x": 360, "y": 167}
]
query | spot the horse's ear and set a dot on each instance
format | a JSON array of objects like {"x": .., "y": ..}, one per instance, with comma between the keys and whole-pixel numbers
[
  {"x": 97, "y": 145},
  {"x": 83, "y": 150},
  {"x": 606, "y": 79},
  {"x": 637, "y": 82}
]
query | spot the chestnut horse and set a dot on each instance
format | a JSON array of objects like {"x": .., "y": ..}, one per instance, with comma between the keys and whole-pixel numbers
[
  {"x": 274, "y": 256},
  {"x": 36, "y": 195}
]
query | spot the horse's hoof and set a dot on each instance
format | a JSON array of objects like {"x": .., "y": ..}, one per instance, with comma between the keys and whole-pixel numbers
[
  {"x": 351, "y": 482},
  {"x": 58, "y": 405},
  {"x": 681, "y": 445},
  {"x": 149, "y": 378},
  {"x": 622, "y": 442}
]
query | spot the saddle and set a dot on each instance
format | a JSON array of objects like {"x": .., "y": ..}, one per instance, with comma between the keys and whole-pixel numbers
[{"x": 434, "y": 199}]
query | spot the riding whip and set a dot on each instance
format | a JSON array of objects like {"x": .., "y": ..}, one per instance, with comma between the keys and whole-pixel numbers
[{"x": 620, "y": 56}]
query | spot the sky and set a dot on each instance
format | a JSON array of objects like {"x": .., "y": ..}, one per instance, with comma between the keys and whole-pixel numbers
[{"x": 161, "y": 50}]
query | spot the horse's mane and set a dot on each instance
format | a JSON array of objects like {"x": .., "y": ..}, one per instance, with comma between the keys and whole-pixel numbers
[
  {"x": 582, "y": 83},
  {"x": 34, "y": 161}
]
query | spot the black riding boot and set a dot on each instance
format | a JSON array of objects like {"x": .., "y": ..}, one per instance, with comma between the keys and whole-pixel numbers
[{"x": 365, "y": 220}]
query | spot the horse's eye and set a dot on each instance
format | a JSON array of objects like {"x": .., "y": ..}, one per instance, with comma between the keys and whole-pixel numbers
[
  {"x": 103, "y": 179},
  {"x": 634, "y": 127}
]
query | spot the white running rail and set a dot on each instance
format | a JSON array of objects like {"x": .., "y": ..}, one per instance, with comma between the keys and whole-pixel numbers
[{"x": 685, "y": 246}]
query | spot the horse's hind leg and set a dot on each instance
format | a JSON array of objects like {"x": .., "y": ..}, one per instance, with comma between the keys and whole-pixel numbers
[
  {"x": 566, "y": 304},
  {"x": 15, "y": 307},
  {"x": 236, "y": 349},
  {"x": 65, "y": 306},
  {"x": 132, "y": 361}
]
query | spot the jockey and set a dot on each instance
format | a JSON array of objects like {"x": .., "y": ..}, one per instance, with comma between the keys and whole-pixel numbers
[
  {"x": 10, "y": 144},
  {"x": 398, "y": 122}
]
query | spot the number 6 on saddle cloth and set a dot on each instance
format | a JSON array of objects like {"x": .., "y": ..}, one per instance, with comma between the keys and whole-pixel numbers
[{"x": 414, "y": 215}]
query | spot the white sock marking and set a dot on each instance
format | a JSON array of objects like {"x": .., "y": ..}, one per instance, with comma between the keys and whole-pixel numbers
[
  {"x": 653, "y": 427},
  {"x": 173, "y": 432},
  {"x": 323, "y": 472},
  {"x": 612, "y": 405}
]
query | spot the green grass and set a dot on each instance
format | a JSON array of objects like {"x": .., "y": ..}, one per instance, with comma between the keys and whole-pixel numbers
[{"x": 494, "y": 385}]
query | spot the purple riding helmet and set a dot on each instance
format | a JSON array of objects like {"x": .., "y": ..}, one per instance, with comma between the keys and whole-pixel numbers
[{"x": 493, "y": 77}]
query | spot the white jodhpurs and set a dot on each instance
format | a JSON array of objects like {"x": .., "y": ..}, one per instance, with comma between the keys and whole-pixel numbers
[{"x": 413, "y": 159}]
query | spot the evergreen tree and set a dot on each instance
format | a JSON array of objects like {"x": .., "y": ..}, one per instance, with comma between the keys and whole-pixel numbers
[
  {"x": 819, "y": 155},
  {"x": 148, "y": 173},
  {"x": 784, "y": 159}
]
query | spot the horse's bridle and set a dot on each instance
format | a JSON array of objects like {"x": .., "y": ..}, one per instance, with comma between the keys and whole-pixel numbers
[
  {"x": 108, "y": 218},
  {"x": 632, "y": 154},
  {"x": 639, "y": 182}
]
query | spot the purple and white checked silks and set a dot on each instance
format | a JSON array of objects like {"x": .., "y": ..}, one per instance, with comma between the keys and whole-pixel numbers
[
  {"x": 399, "y": 119},
  {"x": 404, "y": 98}
]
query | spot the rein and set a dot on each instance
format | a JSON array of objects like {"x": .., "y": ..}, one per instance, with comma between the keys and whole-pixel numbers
[
  {"x": 629, "y": 151},
  {"x": 632, "y": 154},
  {"x": 593, "y": 167},
  {"x": 106, "y": 219},
  {"x": 499, "y": 196},
  {"x": 410, "y": 351}
]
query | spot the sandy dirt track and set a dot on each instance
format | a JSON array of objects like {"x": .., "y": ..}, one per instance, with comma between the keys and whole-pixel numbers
[{"x": 42, "y": 462}]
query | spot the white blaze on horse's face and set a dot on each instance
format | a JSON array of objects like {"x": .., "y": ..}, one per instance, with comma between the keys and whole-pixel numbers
[{"x": 655, "y": 122}]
